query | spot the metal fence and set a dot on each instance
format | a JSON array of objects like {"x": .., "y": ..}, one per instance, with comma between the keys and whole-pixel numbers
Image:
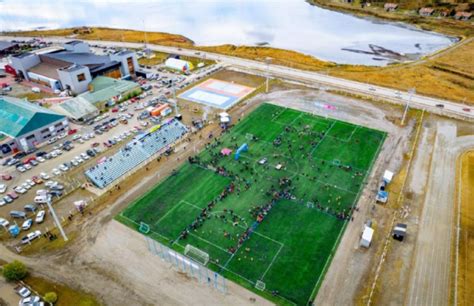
[{"x": 187, "y": 265}]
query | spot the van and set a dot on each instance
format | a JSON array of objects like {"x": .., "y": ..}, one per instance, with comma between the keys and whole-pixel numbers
[{"x": 17, "y": 214}]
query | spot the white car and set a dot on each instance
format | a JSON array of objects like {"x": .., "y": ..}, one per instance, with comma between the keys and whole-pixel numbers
[
  {"x": 77, "y": 136},
  {"x": 58, "y": 152},
  {"x": 62, "y": 135},
  {"x": 3, "y": 188},
  {"x": 27, "y": 166},
  {"x": 30, "y": 237},
  {"x": 2, "y": 202},
  {"x": 4, "y": 222},
  {"x": 44, "y": 176},
  {"x": 52, "y": 140},
  {"x": 40, "y": 159},
  {"x": 27, "y": 224},
  {"x": 40, "y": 216},
  {"x": 63, "y": 168},
  {"x": 19, "y": 189},
  {"x": 24, "y": 292},
  {"x": 30, "y": 182},
  {"x": 74, "y": 163},
  {"x": 85, "y": 156},
  {"x": 42, "y": 192},
  {"x": 54, "y": 154},
  {"x": 31, "y": 300},
  {"x": 56, "y": 172},
  {"x": 21, "y": 169},
  {"x": 49, "y": 184}
]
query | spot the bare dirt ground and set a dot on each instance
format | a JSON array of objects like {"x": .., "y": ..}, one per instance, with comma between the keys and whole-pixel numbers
[{"x": 465, "y": 277}]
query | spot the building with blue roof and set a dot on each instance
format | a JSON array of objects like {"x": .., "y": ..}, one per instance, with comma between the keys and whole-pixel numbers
[{"x": 25, "y": 125}]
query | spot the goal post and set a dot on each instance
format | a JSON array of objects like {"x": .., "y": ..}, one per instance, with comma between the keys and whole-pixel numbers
[
  {"x": 144, "y": 228},
  {"x": 196, "y": 254},
  {"x": 260, "y": 285}
]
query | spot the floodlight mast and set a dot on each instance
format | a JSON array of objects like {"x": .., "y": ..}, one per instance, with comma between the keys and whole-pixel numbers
[
  {"x": 55, "y": 217},
  {"x": 411, "y": 92}
]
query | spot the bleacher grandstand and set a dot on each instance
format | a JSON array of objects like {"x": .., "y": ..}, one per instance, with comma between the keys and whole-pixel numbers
[{"x": 134, "y": 153}]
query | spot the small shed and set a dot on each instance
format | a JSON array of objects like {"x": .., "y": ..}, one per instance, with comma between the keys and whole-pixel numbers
[
  {"x": 399, "y": 231},
  {"x": 367, "y": 236}
]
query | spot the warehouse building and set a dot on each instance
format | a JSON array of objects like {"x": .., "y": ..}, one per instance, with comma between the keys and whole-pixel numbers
[
  {"x": 78, "y": 109},
  {"x": 74, "y": 67},
  {"x": 25, "y": 126}
]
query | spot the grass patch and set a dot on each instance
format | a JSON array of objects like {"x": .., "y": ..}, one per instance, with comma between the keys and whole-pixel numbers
[
  {"x": 66, "y": 296},
  {"x": 256, "y": 222}
]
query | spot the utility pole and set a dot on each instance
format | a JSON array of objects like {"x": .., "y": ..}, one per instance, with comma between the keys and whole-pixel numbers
[
  {"x": 411, "y": 92},
  {"x": 267, "y": 61},
  {"x": 56, "y": 220},
  {"x": 144, "y": 32}
]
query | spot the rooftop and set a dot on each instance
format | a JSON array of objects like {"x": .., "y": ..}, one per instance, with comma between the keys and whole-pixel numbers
[
  {"x": 105, "y": 88},
  {"x": 76, "y": 108},
  {"x": 80, "y": 58},
  {"x": 18, "y": 117}
]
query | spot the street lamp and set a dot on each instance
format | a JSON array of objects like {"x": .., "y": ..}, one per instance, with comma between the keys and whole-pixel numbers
[
  {"x": 56, "y": 220},
  {"x": 268, "y": 60},
  {"x": 411, "y": 92}
]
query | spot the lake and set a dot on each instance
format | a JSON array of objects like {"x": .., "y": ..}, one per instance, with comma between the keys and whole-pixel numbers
[{"x": 290, "y": 24}]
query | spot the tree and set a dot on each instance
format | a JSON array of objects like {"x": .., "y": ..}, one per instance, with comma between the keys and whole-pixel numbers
[
  {"x": 16, "y": 270},
  {"x": 50, "y": 297}
]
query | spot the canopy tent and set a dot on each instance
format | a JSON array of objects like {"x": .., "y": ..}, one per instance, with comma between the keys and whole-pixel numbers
[{"x": 226, "y": 151}]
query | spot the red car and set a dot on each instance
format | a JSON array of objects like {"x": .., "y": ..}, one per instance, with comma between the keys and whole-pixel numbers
[
  {"x": 72, "y": 131},
  {"x": 37, "y": 180},
  {"x": 12, "y": 195},
  {"x": 95, "y": 144},
  {"x": 6, "y": 177},
  {"x": 27, "y": 160},
  {"x": 466, "y": 109},
  {"x": 115, "y": 109}
]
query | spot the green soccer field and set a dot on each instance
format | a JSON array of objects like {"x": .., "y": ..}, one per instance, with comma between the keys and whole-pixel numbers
[{"x": 277, "y": 213}]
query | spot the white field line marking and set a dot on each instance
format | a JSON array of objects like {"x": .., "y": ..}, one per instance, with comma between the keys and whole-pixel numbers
[
  {"x": 207, "y": 241},
  {"x": 324, "y": 137},
  {"x": 278, "y": 115},
  {"x": 169, "y": 211},
  {"x": 271, "y": 263}
]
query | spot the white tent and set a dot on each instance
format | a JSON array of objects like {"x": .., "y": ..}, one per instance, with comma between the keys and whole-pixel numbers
[
  {"x": 367, "y": 235},
  {"x": 178, "y": 64}
]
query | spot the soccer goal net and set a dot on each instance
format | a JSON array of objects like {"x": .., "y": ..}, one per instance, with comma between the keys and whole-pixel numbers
[
  {"x": 249, "y": 136},
  {"x": 196, "y": 254},
  {"x": 260, "y": 285}
]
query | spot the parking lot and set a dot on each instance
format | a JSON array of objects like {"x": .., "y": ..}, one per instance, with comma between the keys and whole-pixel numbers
[{"x": 57, "y": 168}]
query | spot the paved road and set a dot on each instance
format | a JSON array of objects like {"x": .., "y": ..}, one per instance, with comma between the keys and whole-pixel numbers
[{"x": 418, "y": 101}]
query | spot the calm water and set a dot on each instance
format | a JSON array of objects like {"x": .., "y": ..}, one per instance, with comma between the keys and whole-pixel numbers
[{"x": 287, "y": 24}]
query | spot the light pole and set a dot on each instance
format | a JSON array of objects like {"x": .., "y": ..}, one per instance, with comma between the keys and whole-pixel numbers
[
  {"x": 56, "y": 220},
  {"x": 411, "y": 92},
  {"x": 267, "y": 61}
]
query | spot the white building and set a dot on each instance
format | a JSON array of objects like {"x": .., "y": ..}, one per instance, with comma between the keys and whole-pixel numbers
[{"x": 178, "y": 64}]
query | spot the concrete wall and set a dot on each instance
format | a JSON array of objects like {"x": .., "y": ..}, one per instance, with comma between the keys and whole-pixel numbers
[
  {"x": 22, "y": 64},
  {"x": 69, "y": 78},
  {"x": 123, "y": 58}
]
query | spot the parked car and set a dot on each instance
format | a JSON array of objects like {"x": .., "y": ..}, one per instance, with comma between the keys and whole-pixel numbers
[
  {"x": 32, "y": 300},
  {"x": 12, "y": 195},
  {"x": 44, "y": 176},
  {"x": 30, "y": 182},
  {"x": 21, "y": 168},
  {"x": 2, "y": 202},
  {"x": 24, "y": 292},
  {"x": 40, "y": 216},
  {"x": 7, "y": 199},
  {"x": 56, "y": 172},
  {"x": 57, "y": 186},
  {"x": 37, "y": 180},
  {"x": 41, "y": 159},
  {"x": 19, "y": 189},
  {"x": 63, "y": 168},
  {"x": 4, "y": 222},
  {"x": 41, "y": 199},
  {"x": 27, "y": 224},
  {"x": 17, "y": 214},
  {"x": 27, "y": 166},
  {"x": 31, "y": 207},
  {"x": 56, "y": 193},
  {"x": 30, "y": 237},
  {"x": 6, "y": 177},
  {"x": 3, "y": 188}
]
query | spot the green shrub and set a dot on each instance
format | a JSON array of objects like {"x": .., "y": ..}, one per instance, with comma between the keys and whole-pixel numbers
[
  {"x": 50, "y": 297},
  {"x": 14, "y": 271}
]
